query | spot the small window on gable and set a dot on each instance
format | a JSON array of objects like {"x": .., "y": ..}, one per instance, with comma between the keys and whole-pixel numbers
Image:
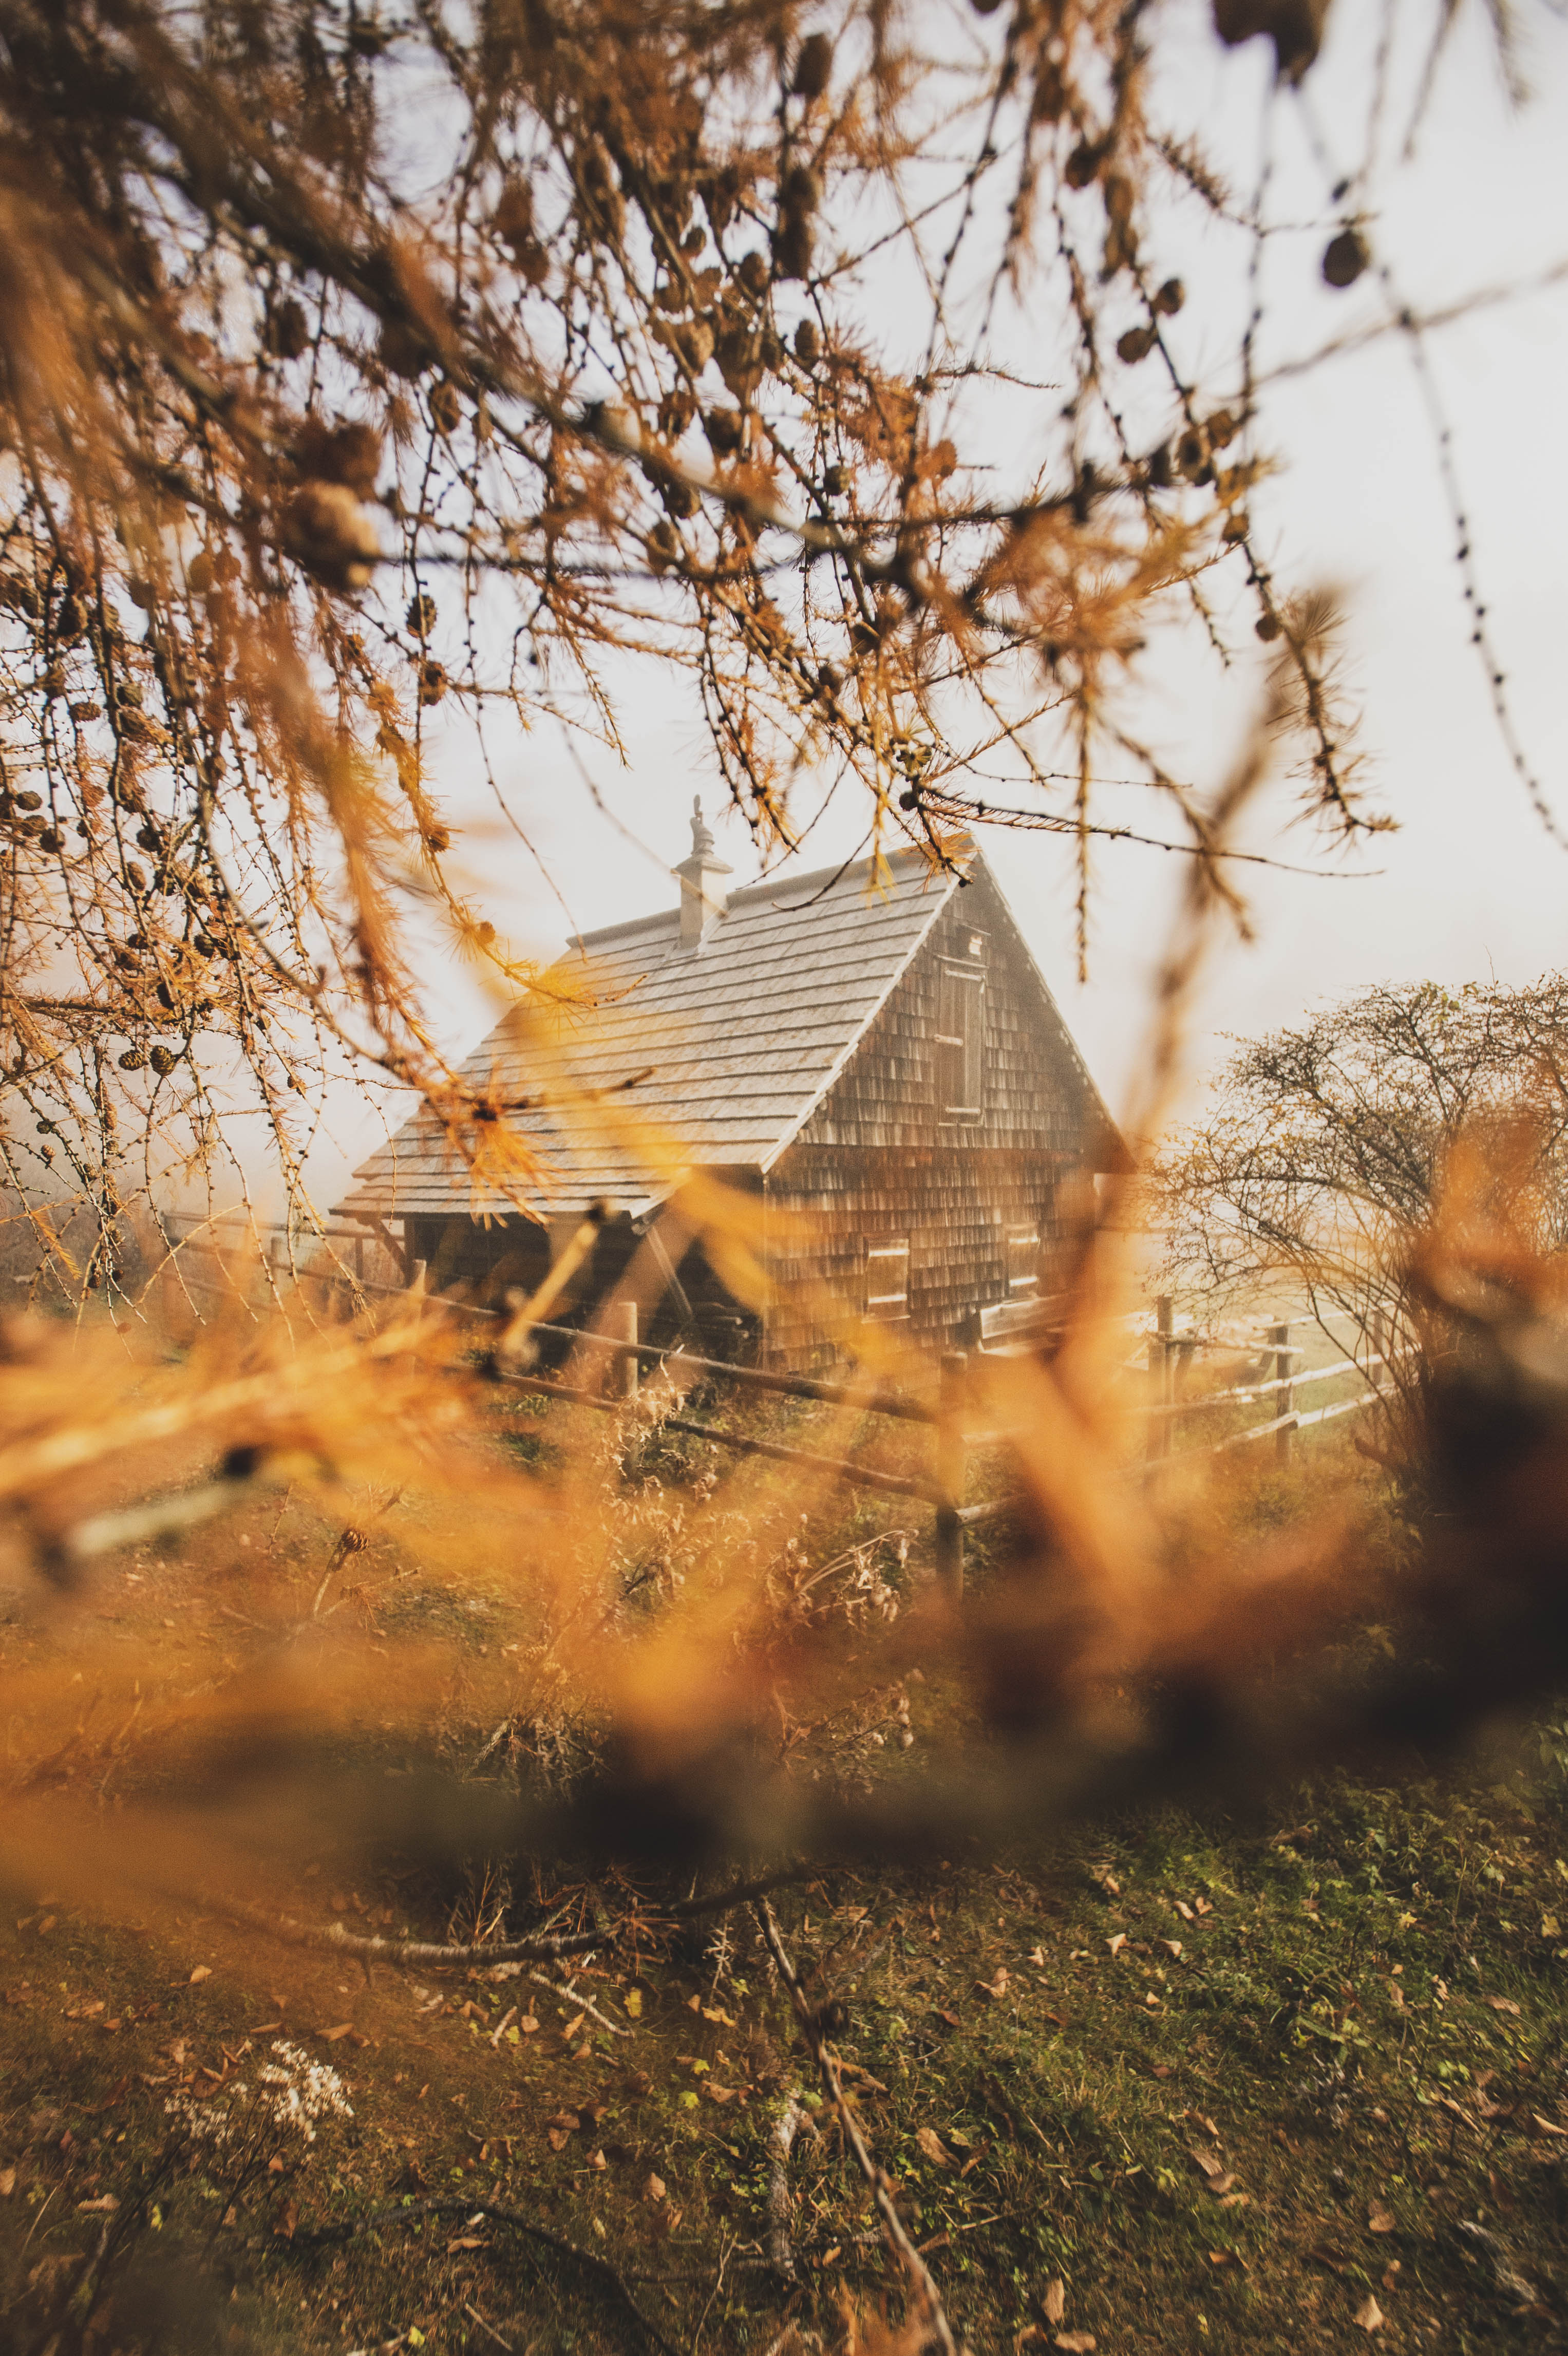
[
  {"x": 887, "y": 1278},
  {"x": 1023, "y": 1262},
  {"x": 960, "y": 1038}
]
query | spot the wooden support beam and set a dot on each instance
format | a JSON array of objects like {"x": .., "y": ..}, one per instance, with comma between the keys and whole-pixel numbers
[{"x": 951, "y": 1456}]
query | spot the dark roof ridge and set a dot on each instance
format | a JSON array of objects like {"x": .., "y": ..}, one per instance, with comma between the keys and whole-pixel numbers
[{"x": 814, "y": 879}]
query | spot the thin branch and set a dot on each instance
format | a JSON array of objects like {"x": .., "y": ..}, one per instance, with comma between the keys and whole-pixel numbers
[{"x": 939, "y": 2332}]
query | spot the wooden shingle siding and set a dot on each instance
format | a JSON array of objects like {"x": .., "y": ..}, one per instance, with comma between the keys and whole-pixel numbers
[
  {"x": 879, "y": 1157},
  {"x": 884, "y": 1067}
]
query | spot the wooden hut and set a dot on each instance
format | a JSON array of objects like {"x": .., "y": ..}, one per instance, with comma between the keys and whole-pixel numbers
[{"x": 872, "y": 1060}]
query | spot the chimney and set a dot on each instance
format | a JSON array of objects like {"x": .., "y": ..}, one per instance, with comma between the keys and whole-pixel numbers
[{"x": 702, "y": 894}]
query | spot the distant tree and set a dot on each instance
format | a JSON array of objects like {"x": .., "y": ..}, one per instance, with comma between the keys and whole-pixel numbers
[
  {"x": 1330, "y": 1155},
  {"x": 367, "y": 366}
]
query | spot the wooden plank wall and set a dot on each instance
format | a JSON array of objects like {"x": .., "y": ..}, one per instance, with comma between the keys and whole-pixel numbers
[{"x": 877, "y": 1159}]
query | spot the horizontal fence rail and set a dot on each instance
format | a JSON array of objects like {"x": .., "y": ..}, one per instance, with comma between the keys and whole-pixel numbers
[{"x": 954, "y": 1445}]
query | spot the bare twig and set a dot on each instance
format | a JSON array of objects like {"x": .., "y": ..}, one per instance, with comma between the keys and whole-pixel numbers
[
  {"x": 581, "y": 2001},
  {"x": 488, "y": 2329},
  {"x": 939, "y": 2332},
  {"x": 542, "y": 1949},
  {"x": 781, "y": 2143},
  {"x": 741, "y": 1893}
]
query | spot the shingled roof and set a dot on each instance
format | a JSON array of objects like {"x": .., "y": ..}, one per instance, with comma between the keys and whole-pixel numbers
[{"x": 724, "y": 1049}]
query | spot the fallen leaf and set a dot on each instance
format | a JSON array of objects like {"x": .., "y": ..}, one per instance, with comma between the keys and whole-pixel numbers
[
  {"x": 262, "y": 2027},
  {"x": 1501, "y": 2004},
  {"x": 653, "y": 2189},
  {"x": 1296, "y": 1833},
  {"x": 1184, "y": 1911},
  {"x": 1232, "y": 2200},
  {"x": 1220, "y": 2185},
  {"x": 1391, "y": 2275},
  {"x": 289, "y": 2220},
  {"x": 467, "y": 2242},
  {"x": 7, "y": 2182},
  {"x": 1379, "y": 2219},
  {"x": 633, "y": 2002},
  {"x": 997, "y": 1988},
  {"x": 1369, "y": 2315},
  {"x": 1117, "y": 1942},
  {"x": 1171, "y": 1946},
  {"x": 1221, "y": 2257},
  {"x": 1037, "y": 1955},
  {"x": 202, "y": 1972},
  {"x": 1205, "y": 2160},
  {"x": 333, "y": 2036},
  {"x": 1027, "y": 2337},
  {"x": 836, "y": 2252},
  {"x": 931, "y": 2145},
  {"x": 104, "y": 2206},
  {"x": 951, "y": 2018},
  {"x": 596, "y": 2159},
  {"x": 694, "y": 2004},
  {"x": 719, "y": 2094},
  {"x": 557, "y": 2138},
  {"x": 1159, "y": 2070},
  {"x": 1201, "y": 2119},
  {"x": 1547, "y": 2126},
  {"x": 717, "y": 2012},
  {"x": 1076, "y": 2343},
  {"x": 527, "y": 2024},
  {"x": 1202, "y": 1906},
  {"x": 1053, "y": 2305}
]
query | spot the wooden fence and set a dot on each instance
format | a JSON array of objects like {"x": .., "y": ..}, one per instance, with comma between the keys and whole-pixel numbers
[
  {"x": 1168, "y": 1405},
  {"x": 954, "y": 1441}
]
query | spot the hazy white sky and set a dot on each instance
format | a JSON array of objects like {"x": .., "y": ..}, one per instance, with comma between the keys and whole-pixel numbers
[{"x": 1470, "y": 885}]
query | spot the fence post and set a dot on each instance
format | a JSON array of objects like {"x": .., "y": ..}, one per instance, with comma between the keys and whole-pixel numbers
[
  {"x": 950, "y": 1456},
  {"x": 1162, "y": 1377},
  {"x": 1285, "y": 1400},
  {"x": 624, "y": 1383}
]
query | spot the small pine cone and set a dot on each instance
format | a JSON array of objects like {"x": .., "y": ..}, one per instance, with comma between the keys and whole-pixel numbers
[
  {"x": 813, "y": 66},
  {"x": 164, "y": 1060},
  {"x": 1347, "y": 256},
  {"x": 288, "y": 331},
  {"x": 334, "y": 535}
]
